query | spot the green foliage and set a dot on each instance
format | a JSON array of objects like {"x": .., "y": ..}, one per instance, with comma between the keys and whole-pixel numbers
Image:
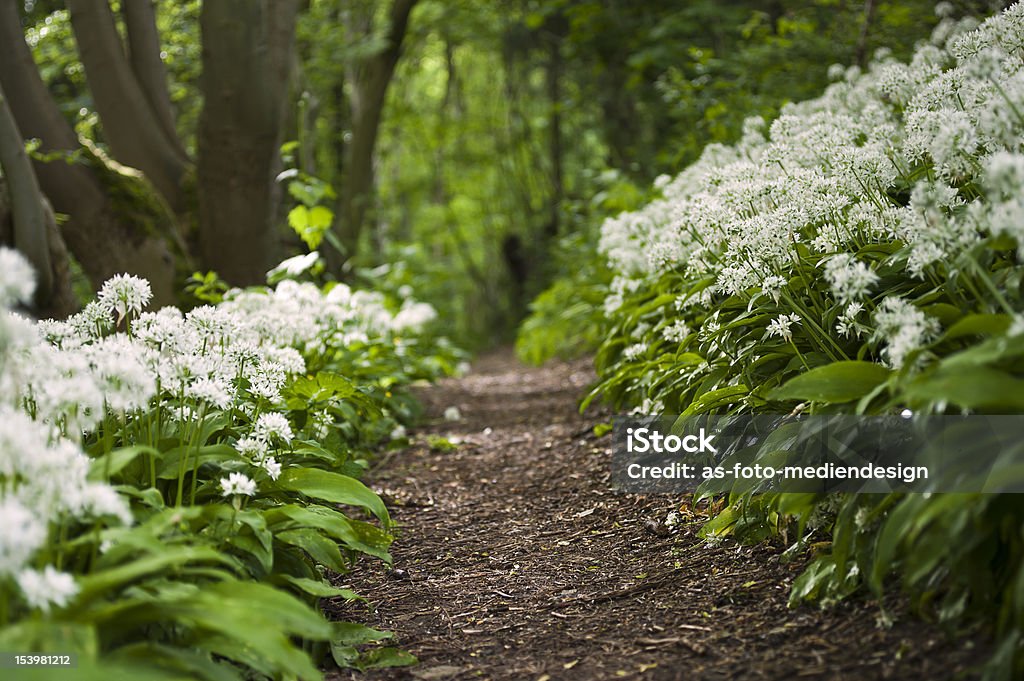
[
  {"x": 685, "y": 338},
  {"x": 216, "y": 585},
  {"x": 206, "y": 288}
]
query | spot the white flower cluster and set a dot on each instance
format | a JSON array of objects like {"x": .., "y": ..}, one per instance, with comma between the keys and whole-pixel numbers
[
  {"x": 115, "y": 363},
  {"x": 927, "y": 154}
]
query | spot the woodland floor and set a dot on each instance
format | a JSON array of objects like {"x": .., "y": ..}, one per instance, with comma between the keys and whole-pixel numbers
[{"x": 515, "y": 561}]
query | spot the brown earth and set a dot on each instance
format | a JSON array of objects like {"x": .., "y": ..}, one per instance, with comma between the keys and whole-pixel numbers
[{"x": 514, "y": 560}]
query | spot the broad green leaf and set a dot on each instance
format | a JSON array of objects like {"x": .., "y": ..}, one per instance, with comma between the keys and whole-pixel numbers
[
  {"x": 978, "y": 388},
  {"x": 978, "y": 325},
  {"x": 114, "y": 462},
  {"x": 321, "y": 549},
  {"x": 319, "y": 588},
  {"x": 835, "y": 383},
  {"x": 715, "y": 399},
  {"x": 335, "y": 488}
]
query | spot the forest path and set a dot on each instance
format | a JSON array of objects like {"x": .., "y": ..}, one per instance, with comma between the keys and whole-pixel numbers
[{"x": 514, "y": 560}]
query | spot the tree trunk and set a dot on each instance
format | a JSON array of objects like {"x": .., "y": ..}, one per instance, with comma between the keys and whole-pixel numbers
[
  {"x": 554, "y": 92},
  {"x": 865, "y": 31},
  {"x": 116, "y": 222},
  {"x": 26, "y": 202},
  {"x": 369, "y": 89},
  {"x": 144, "y": 56},
  {"x": 246, "y": 57},
  {"x": 131, "y": 126}
]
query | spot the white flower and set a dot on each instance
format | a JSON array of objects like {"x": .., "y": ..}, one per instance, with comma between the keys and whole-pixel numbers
[
  {"x": 23, "y": 534},
  {"x": 847, "y": 324},
  {"x": 903, "y": 328},
  {"x": 781, "y": 326},
  {"x": 413, "y": 316},
  {"x": 294, "y": 266},
  {"x": 1017, "y": 327},
  {"x": 452, "y": 414},
  {"x": 237, "y": 483},
  {"x": 214, "y": 392},
  {"x": 272, "y": 467},
  {"x": 676, "y": 332},
  {"x": 125, "y": 294},
  {"x": 43, "y": 590},
  {"x": 635, "y": 351},
  {"x": 17, "y": 278},
  {"x": 272, "y": 425},
  {"x": 98, "y": 500},
  {"x": 252, "y": 448},
  {"x": 849, "y": 278},
  {"x": 398, "y": 432}
]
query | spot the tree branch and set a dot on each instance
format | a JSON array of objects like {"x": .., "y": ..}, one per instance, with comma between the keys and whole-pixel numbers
[{"x": 148, "y": 67}]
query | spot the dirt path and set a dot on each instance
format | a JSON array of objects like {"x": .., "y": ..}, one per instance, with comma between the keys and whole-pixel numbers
[{"x": 515, "y": 561}]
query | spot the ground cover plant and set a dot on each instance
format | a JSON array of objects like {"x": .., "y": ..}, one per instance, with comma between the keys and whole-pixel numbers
[
  {"x": 862, "y": 254},
  {"x": 177, "y": 487}
]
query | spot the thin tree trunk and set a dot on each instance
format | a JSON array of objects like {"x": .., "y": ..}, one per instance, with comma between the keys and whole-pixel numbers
[
  {"x": 116, "y": 223},
  {"x": 131, "y": 126},
  {"x": 369, "y": 90},
  {"x": 144, "y": 55},
  {"x": 62, "y": 301},
  {"x": 865, "y": 31},
  {"x": 554, "y": 88},
  {"x": 26, "y": 202},
  {"x": 246, "y": 58}
]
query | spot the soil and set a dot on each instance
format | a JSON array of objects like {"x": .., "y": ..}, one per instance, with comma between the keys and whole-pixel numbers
[{"x": 515, "y": 560}]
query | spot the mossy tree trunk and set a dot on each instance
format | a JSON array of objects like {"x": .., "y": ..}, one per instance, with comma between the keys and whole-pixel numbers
[{"x": 116, "y": 220}]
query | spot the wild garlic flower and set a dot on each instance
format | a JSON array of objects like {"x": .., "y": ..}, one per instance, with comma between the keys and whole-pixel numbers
[
  {"x": 903, "y": 328},
  {"x": 272, "y": 467},
  {"x": 125, "y": 294},
  {"x": 847, "y": 324},
  {"x": 634, "y": 352},
  {"x": 237, "y": 484},
  {"x": 781, "y": 326},
  {"x": 676, "y": 332},
  {"x": 849, "y": 278},
  {"x": 271, "y": 425},
  {"x": 17, "y": 278},
  {"x": 24, "y": 533},
  {"x": 252, "y": 448},
  {"x": 47, "y": 588}
]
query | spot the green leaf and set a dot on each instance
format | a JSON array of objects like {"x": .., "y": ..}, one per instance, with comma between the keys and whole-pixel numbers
[
  {"x": 977, "y": 388},
  {"x": 320, "y": 589},
  {"x": 99, "y": 583},
  {"x": 715, "y": 399},
  {"x": 353, "y": 633},
  {"x": 321, "y": 549},
  {"x": 383, "y": 658},
  {"x": 112, "y": 463},
  {"x": 190, "y": 663},
  {"x": 979, "y": 325},
  {"x": 335, "y": 488},
  {"x": 835, "y": 383}
]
